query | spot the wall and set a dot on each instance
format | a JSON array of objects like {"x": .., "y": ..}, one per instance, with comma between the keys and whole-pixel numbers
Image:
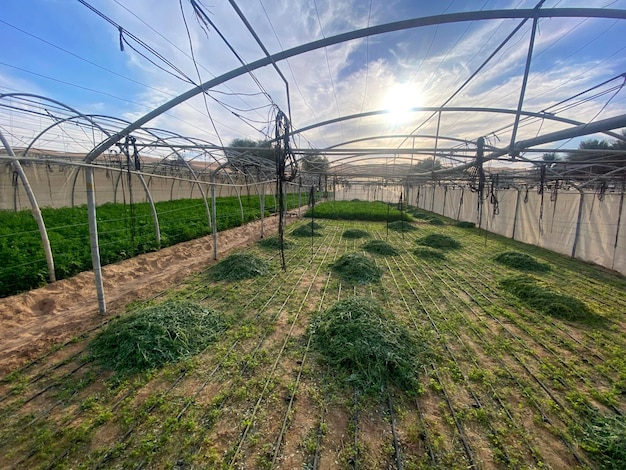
[{"x": 549, "y": 220}]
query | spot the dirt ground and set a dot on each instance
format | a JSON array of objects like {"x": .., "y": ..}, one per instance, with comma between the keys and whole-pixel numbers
[{"x": 32, "y": 322}]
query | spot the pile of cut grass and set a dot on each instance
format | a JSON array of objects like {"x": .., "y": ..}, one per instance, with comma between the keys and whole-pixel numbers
[
  {"x": 274, "y": 243},
  {"x": 421, "y": 214},
  {"x": 357, "y": 268},
  {"x": 521, "y": 261},
  {"x": 355, "y": 233},
  {"x": 380, "y": 247},
  {"x": 604, "y": 437},
  {"x": 308, "y": 230},
  {"x": 463, "y": 224},
  {"x": 436, "y": 221},
  {"x": 540, "y": 298},
  {"x": 369, "y": 345},
  {"x": 401, "y": 226},
  {"x": 239, "y": 266},
  {"x": 439, "y": 241},
  {"x": 155, "y": 336},
  {"x": 429, "y": 253},
  {"x": 376, "y": 211}
]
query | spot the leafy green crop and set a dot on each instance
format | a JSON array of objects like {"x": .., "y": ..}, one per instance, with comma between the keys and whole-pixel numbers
[
  {"x": 401, "y": 226},
  {"x": 122, "y": 232},
  {"x": 521, "y": 261},
  {"x": 380, "y": 247},
  {"x": 156, "y": 335},
  {"x": 357, "y": 210},
  {"x": 429, "y": 253},
  {"x": 357, "y": 336},
  {"x": 355, "y": 267},
  {"x": 439, "y": 241},
  {"x": 543, "y": 299},
  {"x": 239, "y": 266},
  {"x": 355, "y": 233}
]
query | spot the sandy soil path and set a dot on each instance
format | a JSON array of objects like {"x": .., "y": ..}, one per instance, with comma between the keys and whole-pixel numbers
[{"x": 32, "y": 322}]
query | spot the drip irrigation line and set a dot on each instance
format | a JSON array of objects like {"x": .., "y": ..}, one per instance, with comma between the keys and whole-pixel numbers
[
  {"x": 394, "y": 433},
  {"x": 198, "y": 443},
  {"x": 545, "y": 418},
  {"x": 434, "y": 325},
  {"x": 272, "y": 370}
]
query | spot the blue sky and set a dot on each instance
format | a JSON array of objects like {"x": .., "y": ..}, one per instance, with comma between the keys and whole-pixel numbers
[{"x": 62, "y": 50}]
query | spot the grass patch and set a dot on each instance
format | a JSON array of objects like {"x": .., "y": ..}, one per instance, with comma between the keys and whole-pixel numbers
[
  {"x": 380, "y": 247},
  {"x": 401, "y": 226},
  {"x": 357, "y": 336},
  {"x": 521, "y": 261},
  {"x": 439, "y": 241},
  {"x": 355, "y": 233},
  {"x": 355, "y": 267},
  {"x": 357, "y": 210},
  {"x": 429, "y": 253},
  {"x": 274, "y": 243},
  {"x": 463, "y": 224},
  {"x": 436, "y": 221},
  {"x": 156, "y": 335},
  {"x": 239, "y": 266},
  {"x": 605, "y": 439},
  {"x": 543, "y": 299}
]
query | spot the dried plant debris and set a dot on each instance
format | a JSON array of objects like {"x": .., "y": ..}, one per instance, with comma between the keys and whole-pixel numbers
[
  {"x": 439, "y": 241},
  {"x": 239, "y": 266},
  {"x": 368, "y": 345},
  {"x": 401, "y": 226},
  {"x": 429, "y": 253},
  {"x": 521, "y": 261},
  {"x": 274, "y": 243},
  {"x": 380, "y": 247},
  {"x": 308, "y": 230},
  {"x": 353, "y": 233},
  {"x": 149, "y": 338},
  {"x": 357, "y": 268},
  {"x": 541, "y": 298}
]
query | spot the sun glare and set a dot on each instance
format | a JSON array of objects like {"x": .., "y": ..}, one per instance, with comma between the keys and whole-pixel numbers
[{"x": 399, "y": 100}]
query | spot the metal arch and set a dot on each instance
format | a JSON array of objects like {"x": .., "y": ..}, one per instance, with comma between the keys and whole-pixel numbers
[
  {"x": 357, "y": 34},
  {"x": 400, "y": 136},
  {"x": 457, "y": 109}
]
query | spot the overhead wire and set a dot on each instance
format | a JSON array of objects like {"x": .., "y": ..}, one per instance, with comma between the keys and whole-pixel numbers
[{"x": 330, "y": 75}]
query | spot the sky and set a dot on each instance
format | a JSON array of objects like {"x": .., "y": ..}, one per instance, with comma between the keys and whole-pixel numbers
[{"x": 71, "y": 53}]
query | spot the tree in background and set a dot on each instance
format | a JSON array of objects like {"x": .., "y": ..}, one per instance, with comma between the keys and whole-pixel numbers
[
  {"x": 252, "y": 158},
  {"x": 588, "y": 164},
  {"x": 314, "y": 168},
  {"x": 428, "y": 164}
]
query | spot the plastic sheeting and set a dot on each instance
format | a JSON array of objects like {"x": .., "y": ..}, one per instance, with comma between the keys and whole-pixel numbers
[{"x": 549, "y": 220}]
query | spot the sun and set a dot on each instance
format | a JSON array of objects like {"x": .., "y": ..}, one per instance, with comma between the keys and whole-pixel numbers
[{"x": 399, "y": 100}]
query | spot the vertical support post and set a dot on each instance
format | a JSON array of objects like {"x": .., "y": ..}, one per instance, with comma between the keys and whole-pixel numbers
[
  {"x": 445, "y": 195},
  {"x": 578, "y": 219},
  {"x": 17, "y": 167},
  {"x": 262, "y": 199},
  {"x": 93, "y": 239},
  {"x": 214, "y": 210},
  {"x": 619, "y": 222},
  {"x": 519, "y": 195},
  {"x": 531, "y": 45}
]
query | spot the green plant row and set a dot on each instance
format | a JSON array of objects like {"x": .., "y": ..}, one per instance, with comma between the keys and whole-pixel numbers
[
  {"x": 357, "y": 210},
  {"x": 123, "y": 232}
]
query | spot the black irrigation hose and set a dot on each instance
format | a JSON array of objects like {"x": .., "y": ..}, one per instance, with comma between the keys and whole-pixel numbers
[
  {"x": 434, "y": 325},
  {"x": 544, "y": 416},
  {"x": 535, "y": 339},
  {"x": 275, "y": 365},
  {"x": 466, "y": 447},
  {"x": 396, "y": 442},
  {"x": 124, "y": 438},
  {"x": 354, "y": 460},
  {"x": 468, "y": 451}
]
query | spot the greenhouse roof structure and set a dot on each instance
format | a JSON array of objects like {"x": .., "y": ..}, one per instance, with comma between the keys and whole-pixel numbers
[{"x": 408, "y": 91}]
